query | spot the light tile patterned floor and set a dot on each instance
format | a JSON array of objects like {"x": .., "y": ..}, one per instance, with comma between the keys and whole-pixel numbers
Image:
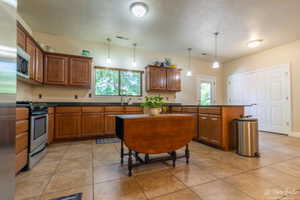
[{"x": 94, "y": 170}]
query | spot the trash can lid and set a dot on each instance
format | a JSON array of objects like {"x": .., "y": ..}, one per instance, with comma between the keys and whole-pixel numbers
[{"x": 247, "y": 119}]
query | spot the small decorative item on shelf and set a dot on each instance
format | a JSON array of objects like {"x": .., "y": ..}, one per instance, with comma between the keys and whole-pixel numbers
[
  {"x": 153, "y": 105},
  {"x": 167, "y": 62},
  {"x": 156, "y": 63},
  {"x": 85, "y": 52},
  {"x": 173, "y": 66}
]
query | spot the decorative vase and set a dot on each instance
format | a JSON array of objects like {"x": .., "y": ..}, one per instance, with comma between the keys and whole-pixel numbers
[{"x": 155, "y": 111}]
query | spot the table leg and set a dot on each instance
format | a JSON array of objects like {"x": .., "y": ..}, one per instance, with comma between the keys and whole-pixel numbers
[
  {"x": 130, "y": 162},
  {"x": 122, "y": 153},
  {"x": 187, "y": 154},
  {"x": 174, "y": 158}
]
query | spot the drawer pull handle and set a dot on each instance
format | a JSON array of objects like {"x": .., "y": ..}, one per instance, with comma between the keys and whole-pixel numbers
[
  {"x": 203, "y": 117},
  {"x": 214, "y": 119}
]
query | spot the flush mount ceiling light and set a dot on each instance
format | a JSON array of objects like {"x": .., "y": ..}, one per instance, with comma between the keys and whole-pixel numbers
[
  {"x": 216, "y": 63},
  {"x": 254, "y": 43},
  {"x": 189, "y": 72},
  {"x": 139, "y": 9}
]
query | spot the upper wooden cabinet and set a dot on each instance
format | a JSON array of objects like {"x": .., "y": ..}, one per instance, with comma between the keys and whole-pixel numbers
[
  {"x": 80, "y": 72},
  {"x": 162, "y": 79},
  {"x": 61, "y": 69},
  {"x": 56, "y": 69},
  {"x": 31, "y": 50},
  {"x": 173, "y": 80},
  {"x": 21, "y": 38},
  {"x": 39, "y": 65}
]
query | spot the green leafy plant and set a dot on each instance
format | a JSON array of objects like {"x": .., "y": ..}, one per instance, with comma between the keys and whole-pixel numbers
[{"x": 153, "y": 102}]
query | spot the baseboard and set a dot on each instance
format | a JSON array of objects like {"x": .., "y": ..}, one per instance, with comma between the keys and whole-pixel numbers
[{"x": 295, "y": 134}]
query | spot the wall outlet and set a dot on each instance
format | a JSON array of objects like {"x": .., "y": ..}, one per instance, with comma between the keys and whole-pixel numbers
[
  {"x": 90, "y": 95},
  {"x": 75, "y": 96},
  {"x": 40, "y": 96}
]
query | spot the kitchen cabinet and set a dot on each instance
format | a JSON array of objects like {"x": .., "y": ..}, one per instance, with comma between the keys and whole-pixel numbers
[
  {"x": 203, "y": 125},
  {"x": 92, "y": 124},
  {"x": 80, "y": 72},
  {"x": 21, "y": 38},
  {"x": 56, "y": 69},
  {"x": 215, "y": 130},
  {"x": 31, "y": 50},
  {"x": 21, "y": 145},
  {"x": 193, "y": 111},
  {"x": 173, "y": 80},
  {"x": 50, "y": 125},
  {"x": 110, "y": 123},
  {"x": 156, "y": 78},
  {"x": 67, "y": 125},
  {"x": 39, "y": 66}
]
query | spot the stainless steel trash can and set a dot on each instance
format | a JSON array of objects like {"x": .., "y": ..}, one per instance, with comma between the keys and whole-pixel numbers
[{"x": 247, "y": 137}]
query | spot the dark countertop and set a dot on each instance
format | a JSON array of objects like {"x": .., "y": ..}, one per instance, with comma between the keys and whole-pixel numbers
[{"x": 27, "y": 104}]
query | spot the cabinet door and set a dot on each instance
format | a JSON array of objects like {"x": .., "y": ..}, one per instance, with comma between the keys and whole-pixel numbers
[
  {"x": 39, "y": 66},
  {"x": 110, "y": 123},
  {"x": 21, "y": 38},
  {"x": 215, "y": 136},
  {"x": 92, "y": 124},
  {"x": 204, "y": 131},
  {"x": 56, "y": 70},
  {"x": 50, "y": 128},
  {"x": 157, "y": 78},
  {"x": 173, "y": 80},
  {"x": 80, "y": 72},
  {"x": 30, "y": 49},
  {"x": 67, "y": 125}
]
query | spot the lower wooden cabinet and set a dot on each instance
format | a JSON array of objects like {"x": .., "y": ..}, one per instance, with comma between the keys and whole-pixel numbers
[
  {"x": 204, "y": 132},
  {"x": 215, "y": 130},
  {"x": 110, "y": 123},
  {"x": 92, "y": 124},
  {"x": 67, "y": 125},
  {"x": 50, "y": 128},
  {"x": 21, "y": 160}
]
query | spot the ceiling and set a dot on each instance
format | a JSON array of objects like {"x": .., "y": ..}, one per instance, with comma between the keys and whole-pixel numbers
[{"x": 171, "y": 26}]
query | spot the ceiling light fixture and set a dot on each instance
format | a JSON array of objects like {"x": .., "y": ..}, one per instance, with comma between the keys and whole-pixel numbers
[
  {"x": 216, "y": 63},
  {"x": 108, "y": 59},
  {"x": 254, "y": 43},
  {"x": 134, "y": 50},
  {"x": 189, "y": 71},
  {"x": 139, "y": 9}
]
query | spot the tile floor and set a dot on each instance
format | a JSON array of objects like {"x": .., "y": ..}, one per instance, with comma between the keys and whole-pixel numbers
[{"x": 94, "y": 170}]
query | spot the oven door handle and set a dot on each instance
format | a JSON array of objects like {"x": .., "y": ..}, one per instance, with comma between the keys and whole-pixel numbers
[{"x": 38, "y": 151}]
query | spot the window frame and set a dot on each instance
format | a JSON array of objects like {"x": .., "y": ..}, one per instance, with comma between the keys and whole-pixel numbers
[{"x": 119, "y": 81}]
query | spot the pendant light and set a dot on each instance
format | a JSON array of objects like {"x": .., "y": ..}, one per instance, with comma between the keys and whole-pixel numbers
[
  {"x": 189, "y": 72},
  {"x": 216, "y": 63},
  {"x": 133, "y": 59},
  {"x": 108, "y": 59}
]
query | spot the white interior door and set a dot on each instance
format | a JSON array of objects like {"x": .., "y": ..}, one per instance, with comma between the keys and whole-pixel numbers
[{"x": 268, "y": 91}]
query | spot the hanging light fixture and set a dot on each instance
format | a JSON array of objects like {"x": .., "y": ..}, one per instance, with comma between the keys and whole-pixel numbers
[
  {"x": 216, "y": 63},
  {"x": 189, "y": 72},
  {"x": 133, "y": 59},
  {"x": 108, "y": 59}
]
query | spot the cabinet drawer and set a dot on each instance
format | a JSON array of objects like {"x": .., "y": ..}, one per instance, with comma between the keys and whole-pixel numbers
[
  {"x": 189, "y": 109},
  {"x": 21, "y": 160},
  {"x": 176, "y": 109},
  {"x": 21, "y": 126},
  {"x": 22, "y": 113},
  {"x": 202, "y": 110},
  {"x": 133, "y": 109},
  {"x": 21, "y": 142},
  {"x": 114, "y": 109},
  {"x": 68, "y": 109},
  {"x": 214, "y": 110},
  {"x": 92, "y": 109},
  {"x": 50, "y": 110}
]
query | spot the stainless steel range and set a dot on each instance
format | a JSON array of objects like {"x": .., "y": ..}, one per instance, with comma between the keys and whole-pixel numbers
[{"x": 38, "y": 132}]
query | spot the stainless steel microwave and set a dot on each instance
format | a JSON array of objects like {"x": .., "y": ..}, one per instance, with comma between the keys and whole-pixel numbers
[{"x": 23, "y": 68}]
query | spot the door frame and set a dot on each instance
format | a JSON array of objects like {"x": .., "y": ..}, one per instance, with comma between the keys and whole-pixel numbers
[
  {"x": 214, "y": 89},
  {"x": 288, "y": 106}
]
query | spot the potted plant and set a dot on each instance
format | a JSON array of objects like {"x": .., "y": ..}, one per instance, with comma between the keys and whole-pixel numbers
[{"x": 153, "y": 105}]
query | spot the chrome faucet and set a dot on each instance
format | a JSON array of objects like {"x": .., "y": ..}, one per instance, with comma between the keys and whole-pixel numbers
[{"x": 122, "y": 99}]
